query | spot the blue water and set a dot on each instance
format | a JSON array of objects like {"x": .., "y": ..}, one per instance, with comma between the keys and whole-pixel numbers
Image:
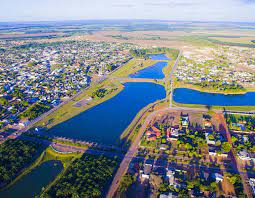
[
  {"x": 154, "y": 71},
  {"x": 105, "y": 122},
  {"x": 158, "y": 57},
  {"x": 32, "y": 183},
  {"x": 189, "y": 96}
]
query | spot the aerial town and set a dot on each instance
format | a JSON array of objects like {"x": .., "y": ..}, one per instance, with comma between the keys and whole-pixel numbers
[
  {"x": 189, "y": 153},
  {"x": 221, "y": 68},
  {"x": 43, "y": 75},
  {"x": 127, "y": 109}
]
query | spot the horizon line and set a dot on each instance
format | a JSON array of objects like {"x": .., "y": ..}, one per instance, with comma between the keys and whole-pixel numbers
[{"x": 124, "y": 19}]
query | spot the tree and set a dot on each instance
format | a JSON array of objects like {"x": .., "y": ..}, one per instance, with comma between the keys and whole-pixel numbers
[
  {"x": 218, "y": 143},
  {"x": 126, "y": 181},
  {"x": 3, "y": 101},
  {"x": 226, "y": 147},
  {"x": 234, "y": 139}
]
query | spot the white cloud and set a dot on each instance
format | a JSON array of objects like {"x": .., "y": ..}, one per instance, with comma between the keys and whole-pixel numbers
[{"x": 223, "y": 10}]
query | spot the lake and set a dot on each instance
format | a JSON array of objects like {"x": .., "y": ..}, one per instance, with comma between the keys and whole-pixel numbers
[
  {"x": 154, "y": 71},
  {"x": 158, "y": 57},
  {"x": 32, "y": 183},
  {"x": 189, "y": 96},
  {"x": 105, "y": 122}
]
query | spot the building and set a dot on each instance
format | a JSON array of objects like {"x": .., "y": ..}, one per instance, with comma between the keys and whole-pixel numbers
[
  {"x": 185, "y": 121},
  {"x": 218, "y": 177},
  {"x": 244, "y": 155},
  {"x": 252, "y": 183},
  {"x": 209, "y": 140}
]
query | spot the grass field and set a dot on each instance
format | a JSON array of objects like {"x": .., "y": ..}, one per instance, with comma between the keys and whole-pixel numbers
[{"x": 242, "y": 40}]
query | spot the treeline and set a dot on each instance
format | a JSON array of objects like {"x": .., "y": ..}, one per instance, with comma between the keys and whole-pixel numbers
[
  {"x": 34, "y": 111},
  {"x": 15, "y": 155},
  {"x": 88, "y": 176},
  {"x": 143, "y": 53}
]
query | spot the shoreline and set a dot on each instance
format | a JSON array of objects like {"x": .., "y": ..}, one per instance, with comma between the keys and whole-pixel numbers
[
  {"x": 229, "y": 108},
  {"x": 208, "y": 90}
]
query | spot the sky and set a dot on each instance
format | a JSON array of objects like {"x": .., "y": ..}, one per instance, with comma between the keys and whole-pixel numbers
[{"x": 187, "y": 10}]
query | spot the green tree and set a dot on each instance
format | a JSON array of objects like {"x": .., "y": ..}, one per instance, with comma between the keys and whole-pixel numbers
[{"x": 226, "y": 147}]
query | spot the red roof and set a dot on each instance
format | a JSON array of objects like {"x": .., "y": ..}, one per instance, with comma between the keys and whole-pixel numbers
[
  {"x": 155, "y": 129},
  {"x": 151, "y": 138}
]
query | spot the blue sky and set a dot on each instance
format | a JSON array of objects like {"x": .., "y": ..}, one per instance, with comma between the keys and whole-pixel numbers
[{"x": 202, "y": 10}]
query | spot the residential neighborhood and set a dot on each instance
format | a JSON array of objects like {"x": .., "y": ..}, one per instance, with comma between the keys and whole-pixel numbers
[
  {"x": 189, "y": 153},
  {"x": 37, "y": 77},
  {"x": 221, "y": 68}
]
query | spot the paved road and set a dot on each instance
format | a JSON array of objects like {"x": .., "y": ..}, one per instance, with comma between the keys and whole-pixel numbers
[
  {"x": 192, "y": 165},
  {"x": 171, "y": 79},
  {"x": 240, "y": 112},
  {"x": 129, "y": 156}
]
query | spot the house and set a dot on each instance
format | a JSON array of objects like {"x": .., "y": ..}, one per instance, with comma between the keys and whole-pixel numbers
[
  {"x": 155, "y": 129},
  {"x": 170, "y": 177},
  {"x": 152, "y": 138},
  {"x": 212, "y": 150},
  {"x": 207, "y": 123},
  {"x": 185, "y": 121},
  {"x": 168, "y": 133},
  {"x": 24, "y": 122},
  {"x": 174, "y": 134},
  {"x": 163, "y": 147},
  {"x": 153, "y": 133},
  {"x": 244, "y": 155},
  {"x": 218, "y": 177},
  {"x": 148, "y": 133},
  {"x": 252, "y": 183},
  {"x": 146, "y": 171},
  {"x": 209, "y": 139},
  {"x": 169, "y": 195}
]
